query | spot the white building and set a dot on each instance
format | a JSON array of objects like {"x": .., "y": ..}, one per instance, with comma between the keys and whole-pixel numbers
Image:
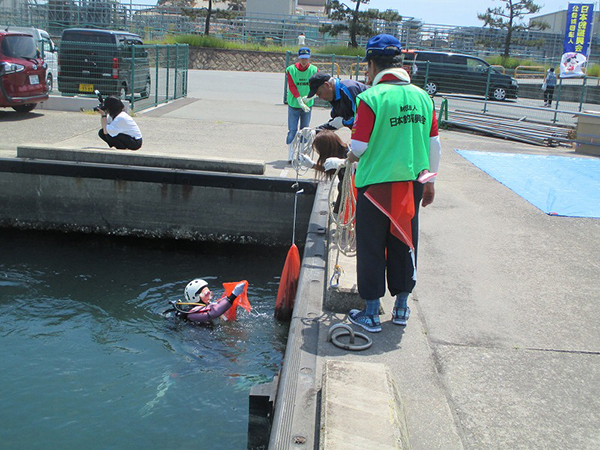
[{"x": 558, "y": 22}]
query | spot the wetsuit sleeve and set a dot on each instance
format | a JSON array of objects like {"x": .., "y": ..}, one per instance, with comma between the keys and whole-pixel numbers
[{"x": 212, "y": 311}]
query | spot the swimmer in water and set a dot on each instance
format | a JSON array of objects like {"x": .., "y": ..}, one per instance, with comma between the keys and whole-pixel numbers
[{"x": 204, "y": 310}]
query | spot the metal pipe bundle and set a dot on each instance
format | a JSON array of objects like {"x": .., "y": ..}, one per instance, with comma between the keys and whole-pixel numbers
[{"x": 507, "y": 128}]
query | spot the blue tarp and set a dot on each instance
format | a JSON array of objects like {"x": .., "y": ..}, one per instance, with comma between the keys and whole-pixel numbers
[{"x": 558, "y": 185}]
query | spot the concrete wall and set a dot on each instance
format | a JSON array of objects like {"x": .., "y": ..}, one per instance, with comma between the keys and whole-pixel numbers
[{"x": 151, "y": 202}]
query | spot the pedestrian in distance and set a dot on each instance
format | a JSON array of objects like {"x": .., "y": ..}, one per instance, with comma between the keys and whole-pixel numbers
[
  {"x": 299, "y": 108},
  {"x": 341, "y": 94},
  {"x": 550, "y": 80},
  {"x": 119, "y": 130},
  {"x": 301, "y": 40},
  {"x": 396, "y": 143}
]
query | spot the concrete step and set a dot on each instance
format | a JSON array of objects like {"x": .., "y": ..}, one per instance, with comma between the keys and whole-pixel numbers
[{"x": 361, "y": 408}]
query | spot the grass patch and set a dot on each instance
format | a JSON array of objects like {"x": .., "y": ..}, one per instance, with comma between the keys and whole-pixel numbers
[
  {"x": 510, "y": 63},
  {"x": 198, "y": 40}
]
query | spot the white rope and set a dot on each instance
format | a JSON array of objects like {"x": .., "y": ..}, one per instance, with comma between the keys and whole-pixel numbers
[
  {"x": 344, "y": 237},
  {"x": 302, "y": 145}
]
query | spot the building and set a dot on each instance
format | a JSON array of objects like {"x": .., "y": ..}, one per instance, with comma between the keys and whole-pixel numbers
[{"x": 557, "y": 22}]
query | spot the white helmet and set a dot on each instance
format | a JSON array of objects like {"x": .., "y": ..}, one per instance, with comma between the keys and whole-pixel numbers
[{"x": 193, "y": 289}]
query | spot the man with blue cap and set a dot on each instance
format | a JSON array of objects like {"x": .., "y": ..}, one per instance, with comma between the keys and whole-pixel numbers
[
  {"x": 298, "y": 109},
  {"x": 395, "y": 141}
]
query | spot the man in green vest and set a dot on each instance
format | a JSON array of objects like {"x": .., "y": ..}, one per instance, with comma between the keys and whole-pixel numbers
[
  {"x": 299, "y": 108},
  {"x": 395, "y": 141}
]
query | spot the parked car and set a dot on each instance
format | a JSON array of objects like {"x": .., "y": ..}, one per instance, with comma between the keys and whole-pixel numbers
[
  {"x": 456, "y": 73},
  {"x": 47, "y": 49},
  {"x": 22, "y": 72},
  {"x": 109, "y": 61}
]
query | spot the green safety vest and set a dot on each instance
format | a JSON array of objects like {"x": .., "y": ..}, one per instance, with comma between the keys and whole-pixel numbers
[
  {"x": 301, "y": 81},
  {"x": 398, "y": 149}
]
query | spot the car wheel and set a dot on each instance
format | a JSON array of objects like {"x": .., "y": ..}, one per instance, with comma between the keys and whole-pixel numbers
[
  {"x": 499, "y": 93},
  {"x": 49, "y": 82},
  {"x": 146, "y": 92},
  {"x": 431, "y": 87},
  {"x": 25, "y": 108}
]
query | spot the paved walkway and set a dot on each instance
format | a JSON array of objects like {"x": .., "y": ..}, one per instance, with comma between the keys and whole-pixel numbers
[{"x": 503, "y": 348}]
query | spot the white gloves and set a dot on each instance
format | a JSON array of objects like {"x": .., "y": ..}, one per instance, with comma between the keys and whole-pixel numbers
[
  {"x": 303, "y": 105},
  {"x": 306, "y": 161},
  {"x": 337, "y": 122},
  {"x": 239, "y": 288},
  {"x": 333, "y": 163}
]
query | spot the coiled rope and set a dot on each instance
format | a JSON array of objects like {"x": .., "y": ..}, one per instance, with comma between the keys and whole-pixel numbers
[{"x": 302, "y": 145}]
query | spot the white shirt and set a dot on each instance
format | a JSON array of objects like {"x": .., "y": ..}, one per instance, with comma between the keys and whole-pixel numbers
[
  {"x": 301, "y": 39},
  {"x": 123, "y": 123}
]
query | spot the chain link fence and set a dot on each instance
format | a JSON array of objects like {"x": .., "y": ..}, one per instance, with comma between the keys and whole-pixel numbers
[
  {"x": 145, "y": 75},
  {"x": 155, "y": 22}
]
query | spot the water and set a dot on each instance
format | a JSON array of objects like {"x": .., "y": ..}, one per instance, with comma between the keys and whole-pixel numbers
[{"x": 89, "y": 362}]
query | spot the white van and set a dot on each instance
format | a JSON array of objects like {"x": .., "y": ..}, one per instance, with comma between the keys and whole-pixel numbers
[{"x": 47, "y": 49}]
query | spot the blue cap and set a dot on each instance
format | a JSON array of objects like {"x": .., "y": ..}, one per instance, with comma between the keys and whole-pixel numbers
[
  {"x": 382, "y": 44},
  {"x": 304, "y": 53}
]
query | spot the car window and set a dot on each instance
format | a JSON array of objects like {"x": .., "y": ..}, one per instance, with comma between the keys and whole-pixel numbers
[
  {"x": 476, "y": 65},
  {"x": 19, "y": 46},
  {"x": 457, "y": 59},
  {"x": 82, "y": 36},
  {"x": 431, "y": 57}
]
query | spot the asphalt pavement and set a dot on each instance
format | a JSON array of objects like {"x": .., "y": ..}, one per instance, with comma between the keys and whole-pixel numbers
[{"x": 502, "y": 350}]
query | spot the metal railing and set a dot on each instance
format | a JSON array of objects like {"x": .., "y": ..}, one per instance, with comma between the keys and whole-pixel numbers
[{"x": 146, "y": 75}]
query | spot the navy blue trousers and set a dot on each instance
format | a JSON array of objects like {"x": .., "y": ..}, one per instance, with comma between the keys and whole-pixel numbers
[{"x": 373, "y": 240}]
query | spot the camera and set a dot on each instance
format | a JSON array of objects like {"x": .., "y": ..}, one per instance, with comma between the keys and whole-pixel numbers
[{"x": 100, "y": 106}]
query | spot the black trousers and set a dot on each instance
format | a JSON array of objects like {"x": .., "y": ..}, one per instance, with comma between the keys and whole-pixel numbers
[
  {"x": 374, "y": 240},
  {"x": 548, "y": 93},
  {"x": 121, "y": 141}
]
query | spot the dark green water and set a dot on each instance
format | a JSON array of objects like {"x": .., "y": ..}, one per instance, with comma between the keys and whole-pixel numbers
[{"x": 88, "y": 362}]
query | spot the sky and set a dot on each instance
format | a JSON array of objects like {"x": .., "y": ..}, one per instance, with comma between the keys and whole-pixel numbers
[{"x": 456, "y": 12}]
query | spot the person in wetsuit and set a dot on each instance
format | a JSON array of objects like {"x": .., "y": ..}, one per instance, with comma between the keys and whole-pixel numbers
[{"x": 207, "y": 311}]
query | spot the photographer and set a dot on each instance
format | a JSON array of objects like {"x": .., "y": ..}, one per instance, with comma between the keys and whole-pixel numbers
[{"x": 119, "y": 130}]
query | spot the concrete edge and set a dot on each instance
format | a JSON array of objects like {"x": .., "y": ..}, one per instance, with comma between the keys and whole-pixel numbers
[
  {"x": 126, "y": 157},
  {"x": 296, "y": 417},
  {"x": 353, "y": 417}
]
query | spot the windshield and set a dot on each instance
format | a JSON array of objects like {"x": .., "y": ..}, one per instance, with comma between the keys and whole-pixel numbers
[{"x": 19, "y": 47}]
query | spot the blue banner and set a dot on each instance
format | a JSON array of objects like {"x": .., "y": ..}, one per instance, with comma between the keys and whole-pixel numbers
[
  {"x": 578, "y": 30},
  {"x": 578, "y": 34}
]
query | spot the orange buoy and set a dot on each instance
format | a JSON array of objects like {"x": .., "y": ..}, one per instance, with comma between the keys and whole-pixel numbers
[{"x": 288, "y": 285}]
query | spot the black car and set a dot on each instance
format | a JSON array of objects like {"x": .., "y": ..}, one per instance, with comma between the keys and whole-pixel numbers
[
  {"x": 455, "y": 73},
  {"x": 113, "y": 62}
]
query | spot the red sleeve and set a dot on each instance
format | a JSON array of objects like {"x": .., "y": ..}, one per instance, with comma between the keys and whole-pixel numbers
[
  {"x": 434, "y": 126},
  {"x": 292, "y": 86},
  {"x": 363, "y": 123}
]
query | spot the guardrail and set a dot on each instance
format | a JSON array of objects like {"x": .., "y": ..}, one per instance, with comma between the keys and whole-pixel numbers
[
  {"x": 529, "y": 71},
  {"x": 499, "y": 68}
]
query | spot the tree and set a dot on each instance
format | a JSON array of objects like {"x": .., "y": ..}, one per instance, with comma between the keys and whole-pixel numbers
[
  {"x": 208, "y": 14},
  {"x": 508, "y": 18},
  {"x": 357, "y": 23}
]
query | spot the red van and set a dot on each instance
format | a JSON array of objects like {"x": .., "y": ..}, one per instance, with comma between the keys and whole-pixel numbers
[{"x": 22, "y": 73}]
